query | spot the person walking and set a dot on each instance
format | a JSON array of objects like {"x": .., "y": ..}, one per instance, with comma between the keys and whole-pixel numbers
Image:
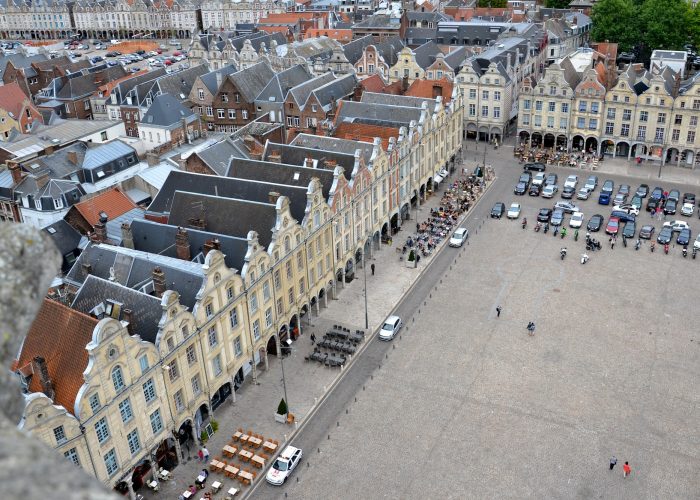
[
  {"x": 206, "y": 454},
  {"x": 613, "y": 462},
  {"x": 417, "y": 259},
  {"x": 313, "y": 339},
  {"x": 626, "y": 469},
  {"x": 498, "y": 311},
  {"x": 372, "y": 268},
  {"x": 200, "y": 455}
]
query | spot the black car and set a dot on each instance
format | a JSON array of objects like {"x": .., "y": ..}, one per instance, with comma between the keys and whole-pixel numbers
[
  {"x": 520, "y": 188},
  {"x": 497, "y": 210},
  {"x": 674, "y": 195},
  {"x": 624, "y": 189},
  {"x": 642, "y": 190},
  {"x": 568, "y": 192},
  {"x": 595, "y": 223},
  {"x": 544, "y": 214},
  {"x": 535, "y": 190},
  {"x": 111, "y": 54},
  {"x": 140, "y": 52},
  {"x": 623, "y": 216},
  {"x": 646, "y": 232},
  {"x": 535, "y": 167},
  {"x": 683, "y": 237},
  {"x": 665, "y": 235},
  {"x": 652, "y": 204},
  {"x": 629, "y": 230},
  {"x": 608, "y": 187},
  {"x": 551, "y": 179},
  {"x": 670, "y": 207},
  {"x": 657, "y": 193},
  {"x": 689, "y": 198},
  {"x": 525, "y": 177}
]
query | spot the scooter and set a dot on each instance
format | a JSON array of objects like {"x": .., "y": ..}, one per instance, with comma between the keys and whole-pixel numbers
[
  {"x": 695, "y": 252},
  {"x": 685, "y": 252},
  {"x": 638, "y": 245},
  {"x": 584, "y": 258},
  {"x": 563, "y": 233},
  {"x": 562, "y": 252},
  {"x": 537, "y": 227},
  {"x": 666, "y": 248},
  {"x": 524, "y": 223},
  {"x": 653, "y": 245}
]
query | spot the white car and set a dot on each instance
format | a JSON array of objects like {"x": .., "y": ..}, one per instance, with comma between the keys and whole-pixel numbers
[
  {"x": 583, "y": 194},
  {"x": 284, "y": 465},
  {"x": 571, "y": 181},
  {"x": 630, "y": 209},
  {"x": 390, "y": 328},
  {"x": 696, "y": 243},
  {"x": 549, "y": 190},
  {"x": 514, "y": 211},
  {"x": 538, "y": 179},
  {"x": 677, "y": 225},
  {"x": 576, "y": 219},
  {"x": 687, "y": 209},
  {"x": 114, "y": 41},
  {"x": 459, "y": 237}
]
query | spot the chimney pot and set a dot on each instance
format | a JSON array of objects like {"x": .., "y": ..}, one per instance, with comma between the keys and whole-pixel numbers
[
  {"x": 273, "y": 196},
  {"x": 127, "y": 316},
  {"x": 182, "y": 244},
  {"x": 72, "y": 157},
  {"x": 100, "y": 235},
  {"x": 159, "y": 285},
  {"x": 46, "y": 384},
  {"x": 127, "y": 236}
]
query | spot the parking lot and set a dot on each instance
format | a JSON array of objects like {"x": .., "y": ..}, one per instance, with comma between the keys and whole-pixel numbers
[{"x": 467, "y": 405}]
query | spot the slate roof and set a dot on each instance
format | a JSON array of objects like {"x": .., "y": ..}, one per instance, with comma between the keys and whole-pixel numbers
[
  {"x": 389, "y": 49},
  {"x": 134, "y": 269},
  {"x": 383, "y": 21},
  {"x": 218, "y": 156},
  {"x": 353, "y": 50},
  {"x": 146, "y": 309},
  {"x": 59, "y": 334},
  {"x": 397, "y": 100},
  {"x": 76, "y": 87},
  {"x": 210, "y": 81},
  {"x": 112, "y": 202},
  {"x": 228, "y": 216},
  {"x": 101, "y": 154},
  {"x": 456, "y": 57},
  {"x": 64, "y": 236},
  {"x": 301, "y": 92},
  {"x": 252, "y": 80},
  {"x": 166, "y": 111},
  {"x": 296, "y": 155},
  {"x": 377, "y": 114},
  {"x": 331, "y": 92},
  {"x": 125, "y": 86},
  {"x": 156, "y": 238},
  {"x": 276, "y": 90},
  {"x": 426, "y": 53},
  {"x": 19, "y": 61},
  {"x": 333, "y": 144},
  {"x": 13, "y": 100},
  {"x": 227, "y": 187}
]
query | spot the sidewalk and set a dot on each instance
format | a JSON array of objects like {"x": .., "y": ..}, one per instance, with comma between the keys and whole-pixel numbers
[{"x": 308, "y": 381}]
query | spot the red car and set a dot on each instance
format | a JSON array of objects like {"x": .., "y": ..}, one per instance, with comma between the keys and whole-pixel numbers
[
  {"x": 177, "y": 53},
  {"x": 167, "y": 62},
  {"x": 613, "y": 225},
  {"x": 160, "y": 51}
]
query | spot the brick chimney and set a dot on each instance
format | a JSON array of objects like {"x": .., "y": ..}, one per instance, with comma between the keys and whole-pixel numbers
[
  {"x": 159, "y": 285},
  {"x": 101, "y": 229},
  {"x": 210, "y": 245},
  {"x": 72, "y": 156},
  {"x": 127, "y": 236},
  {"x": 128, "y": 318},
  {"x": 273, "y": 196},
  {"x": 182, "y": 244},
  {"x": 404, "y": 84},
  {"x": 46, "y": 384},
  {"x": 309, "y": 162},
  {"x": 42, "y": 179},
  {"x": 274, "y": 157},
  {"x": 152, "y": 159},
  {"x": 357, "y": 92},
  {"x": 16, "y": 172}
]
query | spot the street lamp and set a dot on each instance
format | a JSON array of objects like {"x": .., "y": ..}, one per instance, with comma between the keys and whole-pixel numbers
[
  {"x": 284, "y": 380},
  {"x": 364, "y": 270}
]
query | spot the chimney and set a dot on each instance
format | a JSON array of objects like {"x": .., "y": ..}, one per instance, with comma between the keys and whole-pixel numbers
[
  {"x": 357, "y": 92},
  {"x": 42, "y": 179},
  {"x": 152, "y": 159},
  {"x": 159, "y": 285},
  {"x": 101, "y": 229},
  {"x": 127, "y": 317},
  {"x": 309, "y": 162},
  {"x": 182, "y": 244},
  {"x": 72, "y": 157},
  {"x": 87, "y": 268},
  {"x": 16, "y": 172},
  {"x": 46, "y": 384},
  {"x": 127, "y": 236},
  {"x": 273, "y": 196},
  {"x": 249, "y": 142},
  {"x": 437, "y": 91},
  {"x": 274, "y": 157},
  {"x": 197, "y": 223},
  {"x": 404, "y": 84},
  {"x": 210, "y": 245}
]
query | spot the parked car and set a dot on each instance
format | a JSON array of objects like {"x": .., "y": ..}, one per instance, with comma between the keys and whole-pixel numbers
[
  {"x": 670, "y": 207},
  {"x": 538, "y": 179},
  {"x": 657, "y": 193},
  {"x": 497, "y": 210},
  {"x": 525, "y": 177},
  {"x": 642, "y": 190},
  {"x": 687, "y": 209},
  {"x": 544, "y": 214},
  {"x": 623, "y": 216},
  {"x": 653, "y": 203},
  {"x": 534, "y": 190},
  {"x": 624, "y": 189},
  {"x": 514, "y": 211},
  {"x": 627, "y": 207},
  {"x": 283, "y": 466},
  {"x": 520, "y": 188},
  {"x": 689, "y": 198},
  {"x": 636, "y": 201},
  {"x": 647, "y": 232},
  {"x": 557, "y": 217},
  {"x": 665, "y": 235},
  {"x": 591, "y": 182},
  {"x": 571, "y": 181},
  {"x": 674, "y": 195},
  {"x": 613, "y": 226},
  {"x": 619, "y": 199},
  {"x": 549, "y": 191},
  {"x": 696, "y": 243},
  {"x": 390, "y": 328},
  {"x": 536, "y": 167},
  {"x": 676, "y": 225},
  {"x": 595, "y": 223},
  {"x": 459, "y": 237},
  {"x": 568, "y": 192},
  {"x": 576, "y": 219},
  {"x": 629, "y": 229},
  {"x": 566, "y": 206},
  {"x": 551, "y": 179},
  {"x": 604, "y": 198},
  {"x": 683, "y": 237},
  {"x": 583, "y": 194},
  {"x": 608, "y": 187}
]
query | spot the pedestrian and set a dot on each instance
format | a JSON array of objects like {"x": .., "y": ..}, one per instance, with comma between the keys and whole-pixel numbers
[
  {"x": 313, "y": 339},
  {"x": 206, "y": 454},
  {"x": 498, "y": 311},
  {"x": 417, "y": 259},
  {"x": 613, "y": 462},
  {"x": 626, "y": 469},
  {"x": 372, "y": 268},
  {"x": 200, "y": 455}
]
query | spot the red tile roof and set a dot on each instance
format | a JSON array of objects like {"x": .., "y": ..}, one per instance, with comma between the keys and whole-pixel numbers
[
  {"x": 342, "y": 35},
  {"x": 274, "y": 29},
  {"x": 13, "y": 100},
  {"x": 113, "y": 202},
  {"x": 59, "y": 334},
  {"x": 288, "y": 17},
  {"x": 431, "y": 88},
  {"x": 365, "y": 133}
]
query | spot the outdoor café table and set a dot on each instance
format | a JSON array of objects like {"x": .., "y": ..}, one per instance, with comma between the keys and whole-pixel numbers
[
  {"x": 232, "y": 492},
  {"x": 245, "y": 454},
  {"x": 237, "y": 435},
  {"x": 216, "y": 486},
  {"x": 229, "y": 451},
  {"x": 220, "y": 466},
  {"x": 254, "y": 441},
  {"x": 258, "y": 461},
  {"x": 244, "y": 438},
  {"x": 269, "y": 446},
  {"x": 231, "y": 471},
  {"x": 187, "y": 494},
  {"x": 246, "y": 476}
]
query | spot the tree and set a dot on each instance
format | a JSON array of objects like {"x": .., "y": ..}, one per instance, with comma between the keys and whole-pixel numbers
[
  {"x": 664, "y": 24},
  {"x": 557, "y": 4},
  {"x": 282, "y": 408},
  {"x": 496, "y": 4},
  {"x": 616, "y": 21}
]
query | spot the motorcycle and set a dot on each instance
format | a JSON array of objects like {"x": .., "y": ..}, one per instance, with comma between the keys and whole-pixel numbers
[
  {"x": 563, "y": 233},
  {"x": 562, "y": 252},
  {"x": 638, "y": 245},
  {"x": 695, "y": 252},
  {"x": 666, "y": 248},
  {"x": 546, "y": 227},
  {"x": 537, "y": 227},
  {"x": 576, "y": 235},
  {"x": 685, "y": 252},
  {"x": 584, "y": 258},
  {"x": 524, "y": 222},
  {"x": 653, "y": 245}
]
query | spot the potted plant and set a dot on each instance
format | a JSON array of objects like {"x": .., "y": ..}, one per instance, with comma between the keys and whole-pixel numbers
[
  {"x": 282, "y": 410},
  {"x": 411, "y": 260}
]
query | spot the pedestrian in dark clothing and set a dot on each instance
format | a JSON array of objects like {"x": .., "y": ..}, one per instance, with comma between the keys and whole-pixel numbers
[
  {"x": 417, "y": 260},
  {"x": 613, "y": 462},
  {"x": 313, "y": 339},
  {"x": 372, "y": 268},
  {"x": 498, "y": 311}
]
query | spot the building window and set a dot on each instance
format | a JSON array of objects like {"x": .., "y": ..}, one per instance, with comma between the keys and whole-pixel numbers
[
  {"x": 196, "y": 387},
  {"x": 268, "y": 317},
  {"x": 496, "y": 96},
  {"x": 210, "y": 111},
  {"x": 659, "y": 135},
  {"x": 526, "y": 119},
  {"x": 496, "y": 112},
  {"x": 200, "y": 93},
  {"x": 696, "y": 104},
  {"x": 611, "y": 113},
  {"x": 133, "y": 439},
  {"x": 179, "y": 401},
  {"x": 609, "y": 127},
  {"x": 592, "y": 124},
  {"x": 472, "y": 94},
  {"x": 102, "y": 430},
  {"x": 173, "y": 371},
  {"x": 233, "y": 317},
  {"x": 280, "y": 306},
  {"x": 216, "y": 365},
  {"x": 59, "y": 434},
  {"x": 253, "y": 302},
  {"x": 72, "y": 455},
  {"x": 277, "y": 279},
  {"x": 237, "y": 346},
  {"x": 552, "y": 106},
  {"x": 594, "y": 107},
  {"x": 171, "y": 344},
  {"x": 143, "y": 363},
  {"x": 641, "y": 133},
  {"x": 484, "y": 111},
  {"x": 626, "y": 114},
  {"x": 538, "y": 105},
  {"x": 220, "y": 113},
  {"x": 110, "y": 459},
  {"x": 550, "y": 122},
  {"x": 209, "y": 310},
  {"x": 224, "y": 97},
  {"x": 643, "y": 116},
  {"x": 581, "y": 122},
  {"x": 678, "y": 120},
  {"x": 691, "y": 136},
  {"x": 212, "y": 337},
  {"x": 156, "y": 422},
  {"x": 661, "y": 118},
  {"x": 149, "y": 391},
  {"x": 563, "y": 123},
  {"x": 625, "y": 130},
  {"x": 302, "y": 288},
  {"x": 95, "y": 403},
  {"x": 564, "y": 107},
  {"x": 256, "y": 330},
  {"x": 244, "y": 114},
  {"x": 291, "y": 295},
  {"x": 118, "y": 379},
  {"x": 583, "y": 106},
  {"x": 125, "y": 410},
  {"x": 485, "y": 95},
  {"x": 693, "y": 121},
  {"x": 675, "y": 134},
  {"x": 231, "y": 114},
  {"x": 526, "y": 104}
]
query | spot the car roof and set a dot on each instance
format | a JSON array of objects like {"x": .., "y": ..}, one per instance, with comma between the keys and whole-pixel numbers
[
  {"x": 391, "y": 319},
  {"x": 288, "y": 452},
  {"x": 460, "y": 230}
]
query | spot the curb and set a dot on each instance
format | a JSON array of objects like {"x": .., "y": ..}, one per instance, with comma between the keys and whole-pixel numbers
[{"x": 343, "y": 370}]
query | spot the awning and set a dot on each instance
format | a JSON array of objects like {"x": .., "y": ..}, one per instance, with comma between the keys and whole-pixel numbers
[{"x": 437, "y": 179}]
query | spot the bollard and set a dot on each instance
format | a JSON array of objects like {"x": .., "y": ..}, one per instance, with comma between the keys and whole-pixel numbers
[
  {"x": 386, "y": 356},
  {"x": 337, "y": 424},
  {"x": 363, "y": 387},
  {"x": 308, "y": 464},
  {"x": 315, "y": 401},
  {"x": 329, "y": 437},
  {"x": 355, "y": 399},
  {"x": 346, "y": 411},
  {"x": 380, "y": 367},
  {"x": 297, "y": 479},
  {"x": 413, "y": 319},
  {"x": 318, "y": 450},
  {"x": 393, "y": 346},
  {"x": 285, "y": 438}
]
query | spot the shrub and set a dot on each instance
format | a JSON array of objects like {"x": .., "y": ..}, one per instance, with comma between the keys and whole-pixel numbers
[
  {"x": 411, "y": 256},
  {"x": 282, "y": 408},
  {"x": 214, "y": 424}
]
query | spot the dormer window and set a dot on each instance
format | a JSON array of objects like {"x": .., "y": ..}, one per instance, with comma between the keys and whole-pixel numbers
[{"x": 57, "y": 203}]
